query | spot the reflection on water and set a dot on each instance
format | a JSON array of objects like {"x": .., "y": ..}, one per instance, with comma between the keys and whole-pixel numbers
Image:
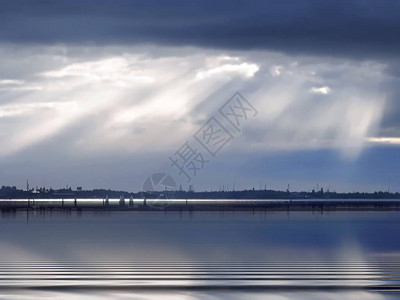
[{"x": 199, "y": 254}]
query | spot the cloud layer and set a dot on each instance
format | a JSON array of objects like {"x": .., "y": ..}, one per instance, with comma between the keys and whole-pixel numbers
[
  {"x": 109, "y": 85},
  {"x": 352, "y": 28},
  {"x": 125, "y": 101}
]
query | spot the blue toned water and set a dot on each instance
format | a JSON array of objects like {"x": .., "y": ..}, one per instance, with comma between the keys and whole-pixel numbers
[{"x": 196, "y": 255}]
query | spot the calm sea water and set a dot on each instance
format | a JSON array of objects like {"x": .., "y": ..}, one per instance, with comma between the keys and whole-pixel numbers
[{"x": 182, "y": 255}]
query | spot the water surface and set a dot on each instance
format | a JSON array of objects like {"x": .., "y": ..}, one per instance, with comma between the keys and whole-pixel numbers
[{"x": 192, "y": 255}]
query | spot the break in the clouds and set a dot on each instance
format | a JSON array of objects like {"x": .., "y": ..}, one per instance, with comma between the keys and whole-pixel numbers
[
  {"x": 100, "y": 93},
  {"x": 324, "y": 90}
]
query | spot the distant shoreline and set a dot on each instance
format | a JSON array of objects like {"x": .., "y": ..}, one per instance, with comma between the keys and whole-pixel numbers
[{"x": 7, "y": 192}]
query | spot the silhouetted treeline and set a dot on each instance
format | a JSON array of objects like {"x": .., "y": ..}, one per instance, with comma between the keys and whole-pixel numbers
[
  {"x": 271, "y": 194},
  {"x": 7, "y": 192}
]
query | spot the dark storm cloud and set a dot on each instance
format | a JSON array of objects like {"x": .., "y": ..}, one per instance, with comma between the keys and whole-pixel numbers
[{"x": 355, "y": 28}]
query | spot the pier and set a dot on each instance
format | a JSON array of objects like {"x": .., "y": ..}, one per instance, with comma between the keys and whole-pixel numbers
[{"x": 122, "y": 204}]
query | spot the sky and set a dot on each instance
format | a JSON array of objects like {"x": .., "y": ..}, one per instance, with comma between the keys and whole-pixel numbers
[{"x": 102, "y": 94}]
